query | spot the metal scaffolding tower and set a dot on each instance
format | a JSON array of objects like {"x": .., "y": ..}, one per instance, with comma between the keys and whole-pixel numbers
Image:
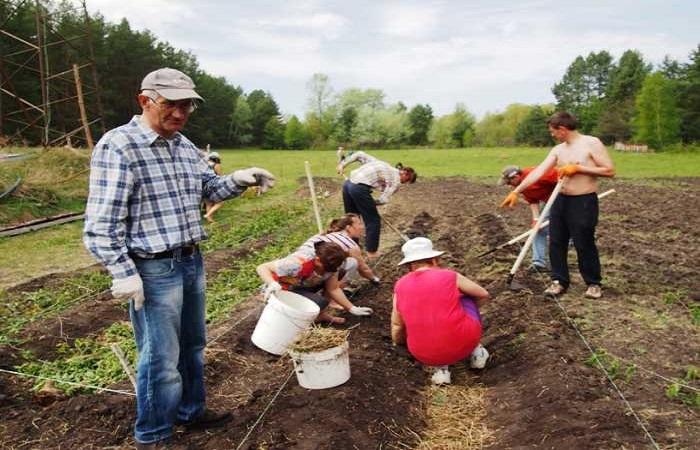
[{"x": 49, "y": 88}]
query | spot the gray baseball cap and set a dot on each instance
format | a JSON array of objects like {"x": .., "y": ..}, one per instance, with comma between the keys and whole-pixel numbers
[
  {"x": 507, "y": 173},
  {"x": 171, "y": 84}
]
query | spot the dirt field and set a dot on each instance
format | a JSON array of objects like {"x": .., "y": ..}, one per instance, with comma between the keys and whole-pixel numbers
[{"x": 540, "y": 391}]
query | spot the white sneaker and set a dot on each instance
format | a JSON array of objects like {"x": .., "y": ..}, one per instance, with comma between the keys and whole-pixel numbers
[
  {"x": 441, "y": 375},
  {"x": 478, "y": 358}
]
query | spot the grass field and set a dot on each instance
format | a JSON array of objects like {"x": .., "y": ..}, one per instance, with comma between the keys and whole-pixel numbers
[{"x": 60, "y": 249}]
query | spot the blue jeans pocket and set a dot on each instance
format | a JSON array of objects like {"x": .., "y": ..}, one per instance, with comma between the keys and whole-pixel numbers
[{"x": 154, "y": 268}]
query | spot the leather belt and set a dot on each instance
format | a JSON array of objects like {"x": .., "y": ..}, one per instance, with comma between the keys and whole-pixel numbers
[{"x": 184, "y": 251}]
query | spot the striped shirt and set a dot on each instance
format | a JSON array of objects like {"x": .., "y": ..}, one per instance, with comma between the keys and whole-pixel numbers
[
  {"x": 341, "y": 238},
  {"x": 379, "y": 175},
  {"x": 359, "y": 156},
  {"x": 145, "y": 195}
]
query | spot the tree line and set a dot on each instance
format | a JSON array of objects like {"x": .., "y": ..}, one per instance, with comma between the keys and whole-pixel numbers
[{"x": 627, "y": 100}]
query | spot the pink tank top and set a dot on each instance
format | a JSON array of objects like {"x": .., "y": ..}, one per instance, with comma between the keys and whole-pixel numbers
[{"x": 438, "y": 330}]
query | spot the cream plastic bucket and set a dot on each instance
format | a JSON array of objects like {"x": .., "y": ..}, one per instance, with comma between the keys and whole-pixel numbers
[
  {"x": 324, "y": 369},
  {"x": 285, "y": 316}
]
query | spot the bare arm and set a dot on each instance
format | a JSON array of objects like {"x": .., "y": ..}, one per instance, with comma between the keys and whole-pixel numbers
[
  {"x": 549, "y": 162},
  {"x": 470, "y": 288},
  {"x": 265, "y": 271},
  {"x": 332, "y": 289},
  {"x": 604, "y": 166},
  {"x": 398, "y": 328},
  {"x": 362, "y": 266}
]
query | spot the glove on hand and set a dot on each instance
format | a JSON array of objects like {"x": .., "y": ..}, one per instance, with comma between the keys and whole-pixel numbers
[
  {"x": 129, "y": 287},
  {"x": 376, "y": 281},
  {"x": 254, "y": 176},
  {"x": 568, "y": 170},
  {"x": 361, "y": 311},
  {"x": 510, "y": 200},
  {"x": 271, "y": 288}
]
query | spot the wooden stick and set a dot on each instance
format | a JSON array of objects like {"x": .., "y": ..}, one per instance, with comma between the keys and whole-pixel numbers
[
  {"x": 531, "y": 237},
  {"x": 528, "y": 232},
  {"x": 117, "y": 350},
  {"x": 81, "y": 105},
  {"x": 313, "y": 196},
  {"x": 396, "y": 230}
]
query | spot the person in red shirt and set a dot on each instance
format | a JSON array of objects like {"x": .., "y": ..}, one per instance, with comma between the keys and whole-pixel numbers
[
  {"x": 436, "y": 312},
  {"x": 536, "y": 195}
]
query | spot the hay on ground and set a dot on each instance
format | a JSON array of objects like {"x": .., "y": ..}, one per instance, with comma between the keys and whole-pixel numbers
[{"x": 456, "y": 419}]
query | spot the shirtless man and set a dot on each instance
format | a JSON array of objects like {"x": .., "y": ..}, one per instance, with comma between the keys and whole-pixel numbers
[{"x": 580, "y": 160}]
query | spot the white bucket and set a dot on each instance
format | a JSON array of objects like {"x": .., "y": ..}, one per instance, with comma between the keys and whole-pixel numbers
[
  {"x": 285, "y": 316},
  {"x": 324, "y": 369}
]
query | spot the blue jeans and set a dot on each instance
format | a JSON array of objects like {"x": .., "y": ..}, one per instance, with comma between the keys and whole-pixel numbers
[
  {"x": 170, "y": 334},
  {"x": 539, "y": 245}
]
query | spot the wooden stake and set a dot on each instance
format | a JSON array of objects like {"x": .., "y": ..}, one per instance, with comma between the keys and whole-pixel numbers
[
  {"x": 81, "y": 105},
  {"x": 313, "y": 196},
  {"x": 117, "y": 350}
]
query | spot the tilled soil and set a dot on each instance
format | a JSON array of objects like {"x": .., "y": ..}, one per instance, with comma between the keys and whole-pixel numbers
[{"x": 541, "y": 394}]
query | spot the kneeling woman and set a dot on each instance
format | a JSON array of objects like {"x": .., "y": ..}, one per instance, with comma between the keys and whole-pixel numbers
[
  {"x": 436, "y": 312},
  {"x": 312, "y": 273}
]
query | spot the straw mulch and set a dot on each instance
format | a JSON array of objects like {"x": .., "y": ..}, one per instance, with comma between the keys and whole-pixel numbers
[
  {"x": 317, "y": 339},
  {"x": 455, "y": 416}
]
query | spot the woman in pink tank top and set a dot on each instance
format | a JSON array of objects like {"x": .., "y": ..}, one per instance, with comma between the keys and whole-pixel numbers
[{"x": 436, "y": 312}]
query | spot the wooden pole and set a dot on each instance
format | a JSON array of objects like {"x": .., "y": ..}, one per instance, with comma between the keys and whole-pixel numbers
[
  {"x": 531, "y": 237},
  {"x": 531, "y": 230},
  {"x": 81, "y": 105},
  {"x": 117, "y": 350},
  {"x": 313, "y": 195}
]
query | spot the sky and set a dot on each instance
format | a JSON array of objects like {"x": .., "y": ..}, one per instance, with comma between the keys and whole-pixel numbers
[{"x": 483, "y": 54}]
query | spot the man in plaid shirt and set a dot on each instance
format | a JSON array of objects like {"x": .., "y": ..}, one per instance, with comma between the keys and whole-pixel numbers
[
  {"x": 143, "y": 223},
  {"x": 357, "y": 192}
]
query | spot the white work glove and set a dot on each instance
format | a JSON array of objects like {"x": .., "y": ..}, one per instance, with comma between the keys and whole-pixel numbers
[
  {"x": 271, "y": 288},
  {"x": 360, "y": 311},
  {"x": 254, "y": 176},
  {"x": 129, "y": 287}
]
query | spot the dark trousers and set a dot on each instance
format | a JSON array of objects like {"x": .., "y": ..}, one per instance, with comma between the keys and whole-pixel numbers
[
  {"x": 575, "y": 217},
  {"x": 357, "y": 198}
]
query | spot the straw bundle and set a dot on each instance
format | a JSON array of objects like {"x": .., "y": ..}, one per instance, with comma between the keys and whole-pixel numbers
[{"x": 317, "y": 339}]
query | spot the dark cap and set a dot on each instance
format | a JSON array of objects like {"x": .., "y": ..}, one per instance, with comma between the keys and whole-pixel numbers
[{"x": 507, "y": 173}]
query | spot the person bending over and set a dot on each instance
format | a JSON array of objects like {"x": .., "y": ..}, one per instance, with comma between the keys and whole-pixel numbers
[
  {"x": 436, "y": 312},
  {"x": 357, "y": 194},
  {"x": 312, "y": 273}
]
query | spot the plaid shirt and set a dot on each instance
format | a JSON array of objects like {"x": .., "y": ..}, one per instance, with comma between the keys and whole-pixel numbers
[
  {"x": 379, "y": 175},
  {"x": 145, "y": 195}
]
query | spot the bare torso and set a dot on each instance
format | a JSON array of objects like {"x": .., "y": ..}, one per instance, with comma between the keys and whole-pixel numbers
[{"x": 586, "y": 151}]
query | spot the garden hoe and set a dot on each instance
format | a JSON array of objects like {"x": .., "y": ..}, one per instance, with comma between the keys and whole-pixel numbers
[
  {"x": 396, "y": 230},
  {"x": 528, "y": 232},
  {"x": 512, "y": 285}
]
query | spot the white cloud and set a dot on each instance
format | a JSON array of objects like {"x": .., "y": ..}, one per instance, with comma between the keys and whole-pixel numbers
[
  {"x": 410, "y": 21},
  {"x": 439, "y": 52}
]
